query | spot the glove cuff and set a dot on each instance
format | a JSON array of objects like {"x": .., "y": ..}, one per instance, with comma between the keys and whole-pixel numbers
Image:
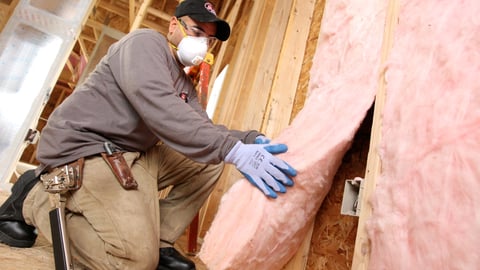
[{"x": 230, "y": 158}]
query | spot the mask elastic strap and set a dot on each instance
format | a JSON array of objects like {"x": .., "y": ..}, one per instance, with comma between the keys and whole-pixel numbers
[
  {"x": 184, "y": 31},
  {"x": 173, "y": 46}
]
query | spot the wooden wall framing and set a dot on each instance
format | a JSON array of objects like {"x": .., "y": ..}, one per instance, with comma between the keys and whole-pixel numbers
[
  {"x": 269, "y": 56},
  {"x": 257, "y": 92}
]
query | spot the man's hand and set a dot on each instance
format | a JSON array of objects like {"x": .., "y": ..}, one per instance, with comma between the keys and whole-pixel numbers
[
  {"x": 267, "y": 172},
  {"x": 260, "y": 139}
]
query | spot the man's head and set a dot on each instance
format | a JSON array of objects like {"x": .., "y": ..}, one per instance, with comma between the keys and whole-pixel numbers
[
  {"x": 202, "y": 11},
  {"x": 193, "y": 29}
]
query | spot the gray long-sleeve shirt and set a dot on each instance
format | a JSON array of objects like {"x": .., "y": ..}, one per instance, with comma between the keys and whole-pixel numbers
[{"x": 132, "y": 99}]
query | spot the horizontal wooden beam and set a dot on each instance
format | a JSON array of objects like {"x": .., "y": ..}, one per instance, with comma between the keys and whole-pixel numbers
[
  {"x": 154, "y": 25},
  {"x": 126, "y": 14},
  {"x": 159, "y": 13},
  {"x": 88, "y": 38},
  {"x": 94, "y": 24},
  {"x": 114, "y": 9}
]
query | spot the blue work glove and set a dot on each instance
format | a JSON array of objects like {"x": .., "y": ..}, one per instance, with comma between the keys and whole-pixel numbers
[
  {"x": 265, "y": 171},
  {"x": 260, "y": 139}
]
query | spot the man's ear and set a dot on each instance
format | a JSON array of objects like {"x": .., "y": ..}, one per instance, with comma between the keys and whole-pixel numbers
[{"x": 173, "y": 25}]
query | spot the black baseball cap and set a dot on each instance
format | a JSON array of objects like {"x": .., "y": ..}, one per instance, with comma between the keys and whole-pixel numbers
[{"x": 202, "y": 11}]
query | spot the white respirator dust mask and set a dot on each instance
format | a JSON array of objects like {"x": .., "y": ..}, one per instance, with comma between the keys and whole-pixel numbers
[{"x": 192, "y": 50}]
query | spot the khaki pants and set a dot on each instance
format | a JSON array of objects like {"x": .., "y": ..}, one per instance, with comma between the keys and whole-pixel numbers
[{"x": 113, "y": 228}]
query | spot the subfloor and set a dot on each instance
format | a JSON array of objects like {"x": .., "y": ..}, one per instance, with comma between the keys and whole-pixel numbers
[{"x": 40, "y": 256}]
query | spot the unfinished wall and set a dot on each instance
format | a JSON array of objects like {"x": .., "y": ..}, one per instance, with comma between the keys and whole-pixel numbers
[{"x": 260, "y": 58}]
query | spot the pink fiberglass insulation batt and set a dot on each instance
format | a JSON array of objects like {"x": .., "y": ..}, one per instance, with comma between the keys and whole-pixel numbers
[
  {"x": 251, "y": 231},
  {"x": 425, "y": 206}
]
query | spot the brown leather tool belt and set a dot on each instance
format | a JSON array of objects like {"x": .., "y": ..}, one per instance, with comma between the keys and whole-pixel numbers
[
  {"x": 120, "y": 169},
  {"x": 64, "y": 178}
]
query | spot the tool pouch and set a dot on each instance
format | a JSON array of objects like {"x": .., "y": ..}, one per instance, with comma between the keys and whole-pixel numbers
[
  {"x": 64, "y": 178},
  {"x": 120, "y": 168}
]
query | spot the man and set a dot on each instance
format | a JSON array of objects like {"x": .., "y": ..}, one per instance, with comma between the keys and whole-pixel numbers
[{"x": 139, "y": 108}]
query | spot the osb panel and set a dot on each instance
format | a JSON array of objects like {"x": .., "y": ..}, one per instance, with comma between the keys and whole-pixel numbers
[{"x": 333, "y": 239}]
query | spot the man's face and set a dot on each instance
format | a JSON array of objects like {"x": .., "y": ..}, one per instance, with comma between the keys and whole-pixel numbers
[{"x": 179, "y": 27}]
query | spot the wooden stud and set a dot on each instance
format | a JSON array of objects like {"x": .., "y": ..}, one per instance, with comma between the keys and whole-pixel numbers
[
  {"x": 259, "y": 81},
  {"x": 83, "y": 49},
  {"x": 219, "y": 63},
  {"x": 131, "y": 12},
  {"x": 361, "y": 256},
  {"x": 289, "y": 67},
  {"x": 284, "y": 88}
]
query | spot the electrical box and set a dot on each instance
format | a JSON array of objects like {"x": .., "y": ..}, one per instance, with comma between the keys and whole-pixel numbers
[{"x": 352, "y": 196}]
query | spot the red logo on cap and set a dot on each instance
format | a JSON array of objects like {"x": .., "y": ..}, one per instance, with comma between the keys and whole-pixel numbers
[{"x": 209, "y": 8}]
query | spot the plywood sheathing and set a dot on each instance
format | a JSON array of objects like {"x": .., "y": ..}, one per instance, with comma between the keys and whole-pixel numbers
[
  {"x": 333, "y": 238},
  {"x": 299, "y": 261}
]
